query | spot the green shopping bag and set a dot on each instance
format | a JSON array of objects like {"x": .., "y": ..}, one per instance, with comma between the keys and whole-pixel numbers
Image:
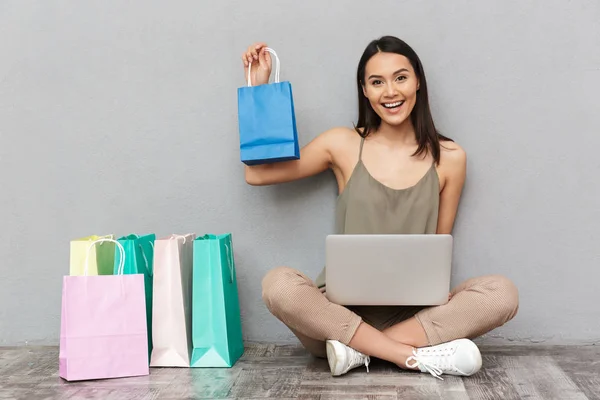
[
  {"x": 101, "y": 257},
  {"x": 139, "y": 259},
  {"x": 216, "y": 321}
]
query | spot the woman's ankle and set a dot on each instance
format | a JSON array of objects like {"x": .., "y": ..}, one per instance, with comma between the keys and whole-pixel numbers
[{"x": 406, "y": 351}]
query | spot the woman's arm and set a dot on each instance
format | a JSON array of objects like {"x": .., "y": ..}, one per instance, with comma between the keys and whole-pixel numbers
[
  {"x": 454, "y": 166},
  {"x": 315, "y": 158}
]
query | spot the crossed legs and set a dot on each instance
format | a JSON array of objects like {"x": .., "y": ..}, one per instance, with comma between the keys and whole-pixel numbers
[{"x": 477, "y": 306}]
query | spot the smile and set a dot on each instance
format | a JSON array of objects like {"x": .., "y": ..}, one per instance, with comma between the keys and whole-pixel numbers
[{"x": 393, "y": 105}]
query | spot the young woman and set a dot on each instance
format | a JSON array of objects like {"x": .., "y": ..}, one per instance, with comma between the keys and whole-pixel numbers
[{"x": 396, "y": 175}]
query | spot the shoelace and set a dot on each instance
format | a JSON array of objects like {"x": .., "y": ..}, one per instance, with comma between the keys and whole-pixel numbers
[
  {"x": 357, "y": 358},
  {"x": 442, "y": 358}
]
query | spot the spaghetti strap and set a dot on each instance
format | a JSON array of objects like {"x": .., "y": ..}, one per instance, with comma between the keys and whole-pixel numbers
[{"x": 362, "y": 141}]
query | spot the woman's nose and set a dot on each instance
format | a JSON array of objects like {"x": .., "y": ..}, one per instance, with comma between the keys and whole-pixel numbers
[{"x": 390, "y": 90}]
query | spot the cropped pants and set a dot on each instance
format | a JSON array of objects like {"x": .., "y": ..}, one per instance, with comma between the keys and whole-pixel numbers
[{"x": 477, "y": 306}]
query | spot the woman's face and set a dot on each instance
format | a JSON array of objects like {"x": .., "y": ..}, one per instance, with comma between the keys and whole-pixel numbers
[{"x": 391, "y": 86}]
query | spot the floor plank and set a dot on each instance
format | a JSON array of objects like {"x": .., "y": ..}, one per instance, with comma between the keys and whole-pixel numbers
[
  {"x": 267, "y": 382},
  {"x": 364, "y": 390},
  {"x": 582, "y": 365},
  {"x": 358, "y": 397},
  {"x": 538, "y": 377},
  {"x": 451, "y": 388},
  {"x": 77, "y": 393},
  {"x": 289, "y": 372},
  {"x": 200, "y": 383},
  {"x": 491, "y": 382}
]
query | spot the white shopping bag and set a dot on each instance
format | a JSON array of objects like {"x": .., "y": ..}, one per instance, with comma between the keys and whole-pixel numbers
[{"x": 172, "y": 301}]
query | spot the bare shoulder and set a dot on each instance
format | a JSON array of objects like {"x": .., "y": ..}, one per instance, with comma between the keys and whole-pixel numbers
[
  {"x": 453, "y": 164},
  {"x": 342, "y": 144},
  {"x": 452, "y": 155},
  {"x": 339, "y": 140},
  {"x": 340, "y": 134}
]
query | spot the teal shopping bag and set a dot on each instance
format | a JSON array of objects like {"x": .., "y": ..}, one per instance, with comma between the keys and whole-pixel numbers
[
  {"x": 216, "y": 321},
  {"x": 139, "y": 259}
]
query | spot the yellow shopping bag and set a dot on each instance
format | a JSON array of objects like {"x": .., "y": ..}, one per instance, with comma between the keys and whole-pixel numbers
[{"x": 102, "y": 256}]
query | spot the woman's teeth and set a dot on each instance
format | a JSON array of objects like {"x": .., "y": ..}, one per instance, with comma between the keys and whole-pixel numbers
[{"x": 393, "y": 105}]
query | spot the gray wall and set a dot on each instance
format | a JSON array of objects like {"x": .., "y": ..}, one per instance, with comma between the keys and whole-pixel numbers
[{"x": 120, "y": 117}]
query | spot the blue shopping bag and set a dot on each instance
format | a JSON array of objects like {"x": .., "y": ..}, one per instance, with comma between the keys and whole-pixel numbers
[{"x": 267, "y": 121}]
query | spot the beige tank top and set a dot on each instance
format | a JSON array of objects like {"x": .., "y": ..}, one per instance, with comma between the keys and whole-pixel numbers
[{"x": 366, "y": 206}]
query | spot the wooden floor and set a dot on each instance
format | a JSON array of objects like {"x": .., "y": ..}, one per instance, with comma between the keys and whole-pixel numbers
[{"x": 287, "y": 372}]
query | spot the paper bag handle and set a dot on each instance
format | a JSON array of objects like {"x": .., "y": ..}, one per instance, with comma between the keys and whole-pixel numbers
[
  {"x": 145, "y": 258},
  {"x": 177, "y": 237},
  {"x": 230, "y": 261},
  {"x": 121, "y": 252},
  {"x": 277, "y": 67}
]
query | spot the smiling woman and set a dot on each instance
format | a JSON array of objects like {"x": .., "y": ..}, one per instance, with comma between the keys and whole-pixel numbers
[
  {"x": 394, "y": 93},
  {"x": 396, "y": 174}
]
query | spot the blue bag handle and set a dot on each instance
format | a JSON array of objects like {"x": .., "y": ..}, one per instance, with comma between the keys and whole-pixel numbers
[{"x": 277, "y": 67}]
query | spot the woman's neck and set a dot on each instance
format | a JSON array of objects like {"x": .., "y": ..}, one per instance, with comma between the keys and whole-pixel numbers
[{"x": 401, "y": 135}]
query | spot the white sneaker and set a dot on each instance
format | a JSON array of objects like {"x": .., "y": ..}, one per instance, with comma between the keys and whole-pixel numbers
[
  {"x": 343, "y": 358},
  {"x": 459, "y": 357}
]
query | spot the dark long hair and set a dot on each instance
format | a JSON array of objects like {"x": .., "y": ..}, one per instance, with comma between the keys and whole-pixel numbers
[{"x": 428, "y": 137}]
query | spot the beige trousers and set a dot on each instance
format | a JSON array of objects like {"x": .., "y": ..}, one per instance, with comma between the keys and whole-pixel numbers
[{"x": 477, "y": 306}]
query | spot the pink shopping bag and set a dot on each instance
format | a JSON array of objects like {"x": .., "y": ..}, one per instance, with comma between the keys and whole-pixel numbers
[{"x": 103, "y": 325}]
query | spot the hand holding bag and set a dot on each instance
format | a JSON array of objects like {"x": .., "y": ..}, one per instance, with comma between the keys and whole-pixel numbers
[{"x": 267, "y": 121}]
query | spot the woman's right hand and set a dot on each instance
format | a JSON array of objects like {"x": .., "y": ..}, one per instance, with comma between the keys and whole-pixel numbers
[{"x": 260, "y": 59}]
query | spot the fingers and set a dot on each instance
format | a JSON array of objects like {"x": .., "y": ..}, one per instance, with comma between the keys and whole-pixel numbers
[
  {"x": 247, "y": 58},
  {"x": 264, "y": 58},
  {"x": 258, "y": 46},
  {"x": 252, "y": 53}
]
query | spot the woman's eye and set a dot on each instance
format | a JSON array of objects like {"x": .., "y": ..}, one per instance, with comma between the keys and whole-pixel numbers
[
  {"x": 376, "y": 82},
  {"x": 400, "y": 78}
]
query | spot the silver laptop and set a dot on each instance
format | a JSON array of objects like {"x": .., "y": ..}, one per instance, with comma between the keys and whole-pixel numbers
[{"x": 388, "y": 269}]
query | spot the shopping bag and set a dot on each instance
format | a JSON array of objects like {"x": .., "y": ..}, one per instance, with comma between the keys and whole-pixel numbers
[
  {"x": 172, "y": 296},
  {"x": 267, "y": 121},
  {"x": 139, "y": 256},
  {"x": 101, "y": 256},
  {"x": 103, "y": 330},
  {"x": 216, "y": 321}
]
